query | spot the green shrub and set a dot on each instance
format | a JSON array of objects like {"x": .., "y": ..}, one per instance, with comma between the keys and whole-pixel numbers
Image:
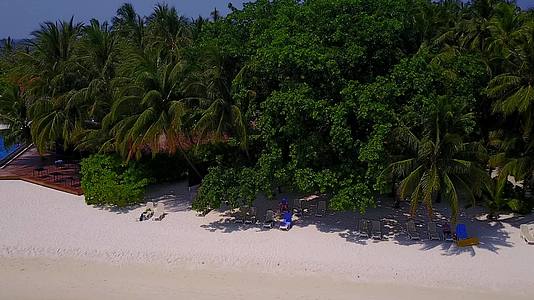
[
  {"x": 235, "y": 186},
  {"x": 107, "y": 181}
]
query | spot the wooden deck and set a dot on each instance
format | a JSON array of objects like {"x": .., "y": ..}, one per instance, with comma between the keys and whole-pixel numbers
[{"x": 41, "y": 170}]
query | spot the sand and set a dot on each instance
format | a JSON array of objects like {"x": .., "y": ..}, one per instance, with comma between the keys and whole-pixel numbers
[{"x": 69, "y": 250}]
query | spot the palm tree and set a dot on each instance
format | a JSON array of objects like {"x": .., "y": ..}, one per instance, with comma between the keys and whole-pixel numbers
[
  {"x": 440, "y": 163},
  {"x": 149, "y": 107},
  {"x": 515, "y": 156},
  {"x": 129, "y": 25},
  {"x": 168, "y": 30},
  {"x": 48, "y": 68},
  {"x": 50, "y": 73},
  {"x": 514, "y": 89},
  {"x": 7, "y": 47},
  {"x": 215, "y": 15},
  {"x": 197, "y": 26},
  {"x": 471, "y": 32},
  {"x": 221, "y": 115},
  {"x": 505, "y": 32},
  {"x": 98, "y": 51},
  {"x": 14, "y": 114},
  {"x": 97, "y": 54}
]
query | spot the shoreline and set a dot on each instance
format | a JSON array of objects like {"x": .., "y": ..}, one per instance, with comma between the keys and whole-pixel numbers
[{"x": 45, "y": 278}]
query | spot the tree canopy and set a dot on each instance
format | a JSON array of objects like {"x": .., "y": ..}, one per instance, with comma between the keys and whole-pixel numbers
[{"x": 338, "y": 97}]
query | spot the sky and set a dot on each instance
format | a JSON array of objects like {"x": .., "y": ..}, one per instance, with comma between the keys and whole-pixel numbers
[{"x": 18, "y": 18}]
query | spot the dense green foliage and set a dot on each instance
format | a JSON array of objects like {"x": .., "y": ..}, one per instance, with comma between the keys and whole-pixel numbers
[
  {"x": 341, "y": 97},
  {"x": 107, "y": 181}
]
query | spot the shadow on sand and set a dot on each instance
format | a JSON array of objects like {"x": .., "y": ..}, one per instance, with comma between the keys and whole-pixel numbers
[
  {"x": 177, "y": 197},
  {"x": 492, "y": 235}
]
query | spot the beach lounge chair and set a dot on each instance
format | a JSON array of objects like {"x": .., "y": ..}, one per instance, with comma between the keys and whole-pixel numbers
[
  {"x": 287, "y": 221},
  {"x": 363, "y": 228},
  {"x": 527, "y": 233},
  {"x": 321, "y": 209},
  {"x": 159, "y": 212},
  {"x": 240, "y": 215},
  {"x": 376, "y": 230},
  {"x": 305, "y": 207},
  {"x": 413, "y": 234},
  {"x": 148, "y": 212},
  {"x": 297, "y": 206},
  {"x": 433, "y": 233},
  {"x": 462, "y": 239},
  {"x": 250, "y": 217},
  {"x": 447, "y": 233},
  {"x": 269, "y": 219}
]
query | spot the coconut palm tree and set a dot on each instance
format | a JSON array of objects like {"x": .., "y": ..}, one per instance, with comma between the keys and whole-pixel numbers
[
  {"x": 439, "y": 163},
  {"x": 148, "y": 110},
  {"x": 98, "y": 53},
  {"x": 505, "y": 32},
  {"x": 167, "y": 30},
  {"x": 14, "y": 114},
  {"x": 48, "y": 68},
  {"x": 514, "y": 98},
  {"x": 129, "y": 25},
  {"x": 215, "y": 15},
  {"x": 7, "y": 46},
  {"x": 220, "y": 114},
  {"x": 515, "y": 156},
  {"x": 514, "y": 90},
  {"x": 50, "y": 74}
]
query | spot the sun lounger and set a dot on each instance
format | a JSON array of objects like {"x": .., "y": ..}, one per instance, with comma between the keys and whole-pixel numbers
[
  {"x": 305, "y": 207},
  {"x": 286, "y": 223},
  {"x": 240, "y": 215},
  {"x": 413, "y": 234},
  {"x": 250, "y": 217},
  {"x": 321, "y": 209},
  {"x": 461, "y": 232},
  {"x": 269, "y": 219},
  {"x": 149, "y": 205},
  {"x": 148, "y": 212},
  {"x": 462, "y": 239},
  {"x": 447, "y": 233},
  {"x": 433, "y": 233},
  {"x": 376, "y": 230},
  {"x": 527, "y": 233},
  {"x": 363, "y": 228},
  {"x": 159, "y": 212},
  {"x": 297, "y": 206}
]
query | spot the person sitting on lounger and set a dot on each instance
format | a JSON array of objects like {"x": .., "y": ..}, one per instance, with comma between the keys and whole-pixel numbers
[{"x": 283, "y": 205}]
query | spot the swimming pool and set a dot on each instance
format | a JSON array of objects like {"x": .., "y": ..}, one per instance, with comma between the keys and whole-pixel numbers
[{"x": 4, "y": 152}]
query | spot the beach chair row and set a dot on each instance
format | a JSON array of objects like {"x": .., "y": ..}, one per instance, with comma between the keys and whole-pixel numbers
[
  {"x": 152, "y": 212},
  {"x": 300, "y": 208},
  {"x": 248, "y": 215},
  {"x": 432, "y": 232},
  {"x": 370, "y": 229},
  {"x": 374, "y": 229},
  {"x": 460, "y": 236}
]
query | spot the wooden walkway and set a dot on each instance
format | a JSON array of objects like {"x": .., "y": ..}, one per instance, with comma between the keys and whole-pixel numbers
[{"x": 42, "y": 170}]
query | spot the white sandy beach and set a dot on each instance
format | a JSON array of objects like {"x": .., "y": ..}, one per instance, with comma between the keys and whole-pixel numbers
[{"x": 54, "y": 246}]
